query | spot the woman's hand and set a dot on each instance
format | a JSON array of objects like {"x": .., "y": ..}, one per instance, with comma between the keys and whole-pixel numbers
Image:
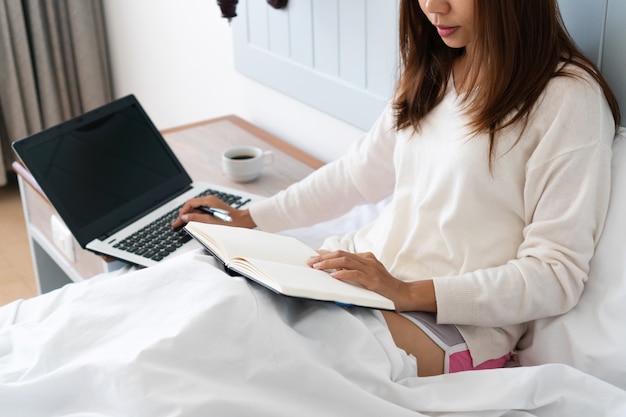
[
  {"x": 365, "y": 270},
  {"x": 189, "y": 212}
]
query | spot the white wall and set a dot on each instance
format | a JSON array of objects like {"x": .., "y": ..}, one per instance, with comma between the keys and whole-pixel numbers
[{"x": 176, "y": 57}]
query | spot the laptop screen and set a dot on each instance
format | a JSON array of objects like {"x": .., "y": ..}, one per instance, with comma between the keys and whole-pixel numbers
[{"x": 103, "y": 169}]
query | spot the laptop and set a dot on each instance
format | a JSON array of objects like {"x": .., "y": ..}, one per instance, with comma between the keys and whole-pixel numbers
[{"x": 116, "y": 183}]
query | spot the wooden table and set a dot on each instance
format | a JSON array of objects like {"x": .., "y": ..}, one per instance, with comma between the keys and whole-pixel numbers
[{"x": 199, "y": 147}]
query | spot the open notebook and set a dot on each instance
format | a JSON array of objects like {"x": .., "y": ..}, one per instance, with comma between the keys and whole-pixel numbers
[{"x": 279, "y": 263}]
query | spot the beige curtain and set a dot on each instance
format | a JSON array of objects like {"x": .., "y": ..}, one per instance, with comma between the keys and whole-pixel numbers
[{"x": 53, "y": 66}]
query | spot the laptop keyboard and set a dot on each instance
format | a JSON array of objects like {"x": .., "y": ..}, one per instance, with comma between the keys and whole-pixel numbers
[{"x": 158, "y": 239}]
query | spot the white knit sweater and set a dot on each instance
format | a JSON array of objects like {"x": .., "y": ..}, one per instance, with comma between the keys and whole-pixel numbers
[{"x": 503, "y": 247}]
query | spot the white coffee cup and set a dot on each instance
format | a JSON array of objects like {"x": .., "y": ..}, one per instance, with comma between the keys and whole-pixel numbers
[{"x": 245, "y": 163}]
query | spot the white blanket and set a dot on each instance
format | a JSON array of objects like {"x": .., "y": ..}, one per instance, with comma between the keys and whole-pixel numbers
[{"x": 185, "y": 339}]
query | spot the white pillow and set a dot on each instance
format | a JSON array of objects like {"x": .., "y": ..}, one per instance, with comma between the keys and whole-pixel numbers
[{"x": 591, "y": 337}]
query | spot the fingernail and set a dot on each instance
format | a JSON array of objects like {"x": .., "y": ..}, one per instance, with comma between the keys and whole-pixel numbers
[{"x": 184, "y": 217}]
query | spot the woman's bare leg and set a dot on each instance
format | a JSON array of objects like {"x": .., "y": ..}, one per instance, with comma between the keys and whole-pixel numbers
[{"x": 413, "y": 340}]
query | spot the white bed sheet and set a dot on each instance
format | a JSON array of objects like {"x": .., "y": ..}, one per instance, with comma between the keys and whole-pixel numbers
[{"x": 185, "y": 339}]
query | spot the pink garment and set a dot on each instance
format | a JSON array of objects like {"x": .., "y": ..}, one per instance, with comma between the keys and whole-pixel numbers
[{"x": 462, "y": 361}]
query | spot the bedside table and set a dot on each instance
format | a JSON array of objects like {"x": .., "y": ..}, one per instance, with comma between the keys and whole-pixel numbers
[{"x": 199, "y": 147}]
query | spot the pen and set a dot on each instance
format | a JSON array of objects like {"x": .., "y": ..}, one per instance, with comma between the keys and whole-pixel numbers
[{"x": 219, "y": 213}]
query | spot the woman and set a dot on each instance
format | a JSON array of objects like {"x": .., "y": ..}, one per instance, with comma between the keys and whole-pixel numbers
[{"x": 496, "y": 151}]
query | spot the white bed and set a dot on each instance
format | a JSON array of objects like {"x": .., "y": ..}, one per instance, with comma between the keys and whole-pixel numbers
[{"x": 185, "y": 339}]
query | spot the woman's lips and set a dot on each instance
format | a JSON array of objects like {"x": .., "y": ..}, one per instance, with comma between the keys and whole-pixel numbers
[{"x": 445, "y": 31}]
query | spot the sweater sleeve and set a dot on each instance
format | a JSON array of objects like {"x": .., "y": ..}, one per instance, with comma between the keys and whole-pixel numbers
[
  {"x": 566, "y": 193},
  {"x": 365, "y": 174}
]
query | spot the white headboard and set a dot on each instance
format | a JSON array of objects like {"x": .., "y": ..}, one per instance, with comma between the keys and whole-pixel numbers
[
  {"x": 599, "y": 28},
  {"x": 340, "y": 56}
]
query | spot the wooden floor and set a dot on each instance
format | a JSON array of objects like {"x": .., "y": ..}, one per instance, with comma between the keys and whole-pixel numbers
[{"x": 17, "y": 279}]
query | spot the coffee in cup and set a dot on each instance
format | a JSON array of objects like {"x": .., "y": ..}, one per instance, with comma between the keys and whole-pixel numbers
[{"x": 245, "y": 163}]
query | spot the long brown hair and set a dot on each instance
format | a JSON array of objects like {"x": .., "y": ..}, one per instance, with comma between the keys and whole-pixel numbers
[{"x": 521, "y": 45}]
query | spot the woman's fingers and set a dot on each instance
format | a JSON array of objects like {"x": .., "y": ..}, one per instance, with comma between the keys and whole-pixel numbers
[
  {"x": 189, "y": 211},
  {"x": 362, "y": 268}
]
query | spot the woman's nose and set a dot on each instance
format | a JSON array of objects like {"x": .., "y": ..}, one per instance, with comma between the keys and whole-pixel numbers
[{"x": 437, "y": 6}]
